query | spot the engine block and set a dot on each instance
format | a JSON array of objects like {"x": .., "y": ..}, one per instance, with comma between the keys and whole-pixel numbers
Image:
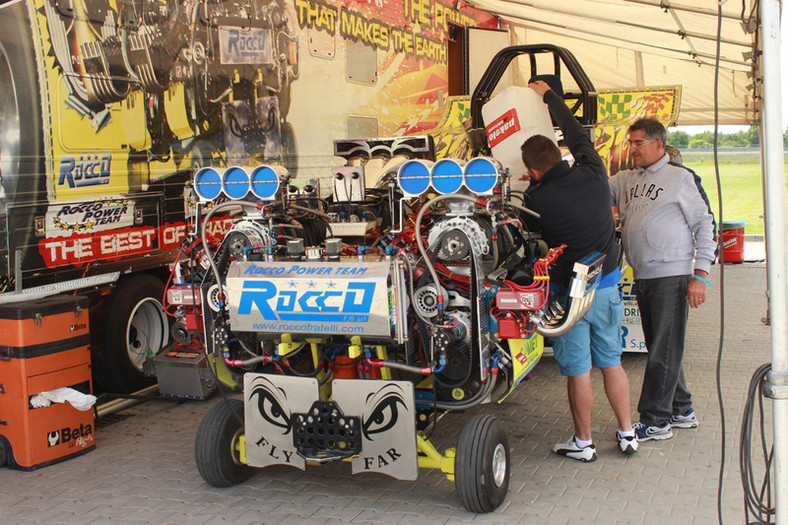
[{"x": 429, "y": 273}]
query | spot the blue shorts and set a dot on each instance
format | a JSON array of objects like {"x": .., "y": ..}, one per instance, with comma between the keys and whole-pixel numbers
[{"x": 595, "y": 339}]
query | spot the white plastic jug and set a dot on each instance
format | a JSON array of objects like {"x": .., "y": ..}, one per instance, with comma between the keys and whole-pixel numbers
[{"x": 512, "y": 116}]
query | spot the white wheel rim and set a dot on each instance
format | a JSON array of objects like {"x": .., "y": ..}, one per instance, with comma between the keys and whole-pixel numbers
[
  {"x": 147, "y": 330},
  {"x": 499, "y": 465}
]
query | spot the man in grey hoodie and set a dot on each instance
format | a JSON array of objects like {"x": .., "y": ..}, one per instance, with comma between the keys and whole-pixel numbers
[{"x": 669, "y": 238}]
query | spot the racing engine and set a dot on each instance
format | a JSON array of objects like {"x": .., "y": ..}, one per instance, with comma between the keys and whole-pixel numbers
[{"x": 416, "y": 269}]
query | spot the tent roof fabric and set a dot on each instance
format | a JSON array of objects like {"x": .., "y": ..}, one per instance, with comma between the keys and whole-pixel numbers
[{"x": 638, "y": 43}]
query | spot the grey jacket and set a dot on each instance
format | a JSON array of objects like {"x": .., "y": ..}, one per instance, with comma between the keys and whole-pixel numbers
[{"x": 665, "y": 219}]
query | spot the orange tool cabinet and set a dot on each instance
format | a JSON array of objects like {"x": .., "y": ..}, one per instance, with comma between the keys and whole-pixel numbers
[{"x": 44, "y": 345}]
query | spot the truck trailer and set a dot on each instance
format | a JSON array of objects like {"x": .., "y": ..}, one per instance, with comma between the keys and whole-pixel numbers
[{"x": 108, "y": 107}]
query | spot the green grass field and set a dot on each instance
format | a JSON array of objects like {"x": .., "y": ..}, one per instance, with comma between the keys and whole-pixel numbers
[{"x": 740, "y": 178}]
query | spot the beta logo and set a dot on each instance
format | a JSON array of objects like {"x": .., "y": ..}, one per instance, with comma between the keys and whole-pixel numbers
[
  {"x": 77, "y": 327},
  {"x": 74, "y": 437}
]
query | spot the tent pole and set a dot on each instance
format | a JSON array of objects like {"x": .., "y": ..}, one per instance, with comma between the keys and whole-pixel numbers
[
  {"x": 686, "y": 9},
  {"x": 776, "y": 246}
]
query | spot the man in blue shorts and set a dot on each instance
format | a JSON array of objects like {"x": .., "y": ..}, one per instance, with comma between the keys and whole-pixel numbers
[{"x": 575, "y": 207}]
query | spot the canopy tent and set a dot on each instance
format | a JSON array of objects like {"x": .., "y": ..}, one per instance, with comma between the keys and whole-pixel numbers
[
  {"x": 637, "y": 43},
  {"x": 661, "y": 42}
]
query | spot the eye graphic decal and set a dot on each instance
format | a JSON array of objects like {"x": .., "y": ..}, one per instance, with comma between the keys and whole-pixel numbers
[
  {"x": 383, "y": 411},
  {"x": 270, "y": 403}
]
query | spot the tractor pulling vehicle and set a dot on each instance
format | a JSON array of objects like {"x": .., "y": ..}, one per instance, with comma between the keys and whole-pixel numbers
[{"x": 352, "y": 323}]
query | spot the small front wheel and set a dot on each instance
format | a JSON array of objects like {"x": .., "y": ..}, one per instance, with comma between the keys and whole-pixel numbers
[
  {"x": 482, "y": 464},
  {"x": 217, "y": 446}
]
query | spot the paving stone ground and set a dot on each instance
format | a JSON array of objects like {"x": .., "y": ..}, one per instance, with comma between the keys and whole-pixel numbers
[{"x": 143, "y": 470}]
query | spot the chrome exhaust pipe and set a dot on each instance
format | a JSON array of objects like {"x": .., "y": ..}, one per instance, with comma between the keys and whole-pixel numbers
[{"x": 557, "y": 321}]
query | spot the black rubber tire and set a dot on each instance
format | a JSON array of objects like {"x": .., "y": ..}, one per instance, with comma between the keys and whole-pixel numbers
[
  {"x": 482, "y": 446},
  {"x": 115, "y": 371},
  {"x": 214, "y": 448},
  {"x": 21, "y": 145}
]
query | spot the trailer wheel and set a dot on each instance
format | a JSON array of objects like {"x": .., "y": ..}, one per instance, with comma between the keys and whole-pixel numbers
[
  {"x": 136, "y": 324},
  {"x": 481, "y": 464},
  {"x": 216, "y": 446},
  {"x": 21, "y": 137}
]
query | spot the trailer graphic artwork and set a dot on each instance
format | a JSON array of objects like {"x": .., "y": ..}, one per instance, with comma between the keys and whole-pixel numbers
[
  {"x": 432, "y": 16},
  {"x": 618, "y": 108},
  {"x": 109, "y": 106},
  {"x": 89, "y": 216},
  {"x": 134, "y": 94},
  {"x": 158, "y": 86},
  {"x": 102, "y": 244},
  {"x": 138, "y": 90}
]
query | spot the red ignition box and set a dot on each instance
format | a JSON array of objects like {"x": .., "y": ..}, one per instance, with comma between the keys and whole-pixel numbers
[{"x": 44, "y": 345}]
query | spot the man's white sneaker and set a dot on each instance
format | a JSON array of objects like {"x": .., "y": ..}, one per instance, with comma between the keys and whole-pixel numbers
[
  {"x": 627, "y": 444},
  {"x": 572, "y": 450}
]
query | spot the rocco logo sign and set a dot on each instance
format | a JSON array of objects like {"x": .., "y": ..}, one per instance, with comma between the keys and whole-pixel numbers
[
  {"x": 89, "y": 216},
  {"x": 311, "y": 305},
  {"x": 503, "y": 127},
  {"x": 84, "y": 170},
  {"x": 306, "y": 297},
  {"x": 245, "y": 45}
]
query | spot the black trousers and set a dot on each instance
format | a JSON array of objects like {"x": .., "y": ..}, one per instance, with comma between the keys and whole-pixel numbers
[{"x": 664, "y": 310}]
